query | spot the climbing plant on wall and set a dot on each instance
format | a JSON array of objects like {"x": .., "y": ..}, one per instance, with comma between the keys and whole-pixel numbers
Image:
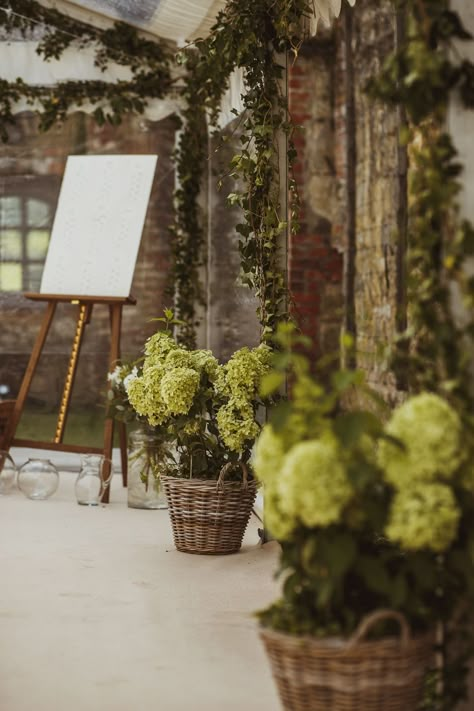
[
  {"x": 422, "y": 76},
  {"x": 254, "y": 36},
  {"x": 435, "y": 352}
]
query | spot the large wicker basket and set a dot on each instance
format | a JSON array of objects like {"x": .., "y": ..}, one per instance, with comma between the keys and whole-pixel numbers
[
  {"x": 209, "y": 517},
  {"x": 356, "y": 675}
]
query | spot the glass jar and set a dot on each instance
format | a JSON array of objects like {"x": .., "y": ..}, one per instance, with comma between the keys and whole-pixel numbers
[
  {"x": 38, "y": 479},
  {"x": 7, "y": 473},
  {"x": 145, "y": 460},
  {"x": 93, "y": 479}
]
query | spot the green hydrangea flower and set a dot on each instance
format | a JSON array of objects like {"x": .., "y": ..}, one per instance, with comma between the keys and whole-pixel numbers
[
  {"x": 268, "y": 455},
  {"x": 137, "y": 396},
  {"x": 158, "y": 346},
  {"x": 424, "y": 515},
  {"x": 236, "y": 425},
  {"x": 178, "y": 388},
  {"x": 430, "y": 431},
  {"x": 205, "y": 362},
  {"x": 313, "y": 484},
  {"x": 146, "y": 401},
  {"x": 178, "y": 358},
  {"x": 279, "y": 523},
  {"x": 242, "y": 374}
]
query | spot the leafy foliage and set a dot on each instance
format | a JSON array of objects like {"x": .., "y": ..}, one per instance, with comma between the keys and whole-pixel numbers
[
  {"x": 434, "y": 353},
  {"x": 422, "y": 76},
  {"x": 254, "y": 36},
  {"x": 149, "y": 61},
  {"x": 347, "y": 558}
]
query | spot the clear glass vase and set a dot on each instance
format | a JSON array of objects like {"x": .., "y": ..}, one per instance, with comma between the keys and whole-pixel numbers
[
  {"x": 7, "y": 473},
  {"x": 145, "y": 462},
  {"x": 93, "y": 479},
  {"x": 38, "y": 479}
]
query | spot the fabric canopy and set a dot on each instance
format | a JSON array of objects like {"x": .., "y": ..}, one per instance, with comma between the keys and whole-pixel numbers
[{"x": 177, "y": 20}]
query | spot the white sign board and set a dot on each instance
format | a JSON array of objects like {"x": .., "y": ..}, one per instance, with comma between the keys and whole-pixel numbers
[{"x": 98, "y": 225}]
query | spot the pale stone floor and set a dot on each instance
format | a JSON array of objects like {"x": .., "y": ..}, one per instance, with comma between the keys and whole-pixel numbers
[{"x": 99, "y": 612}]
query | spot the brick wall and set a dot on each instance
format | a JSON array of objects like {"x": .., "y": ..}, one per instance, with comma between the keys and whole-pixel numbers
[
  {"x": 318, "y": 254},
  {"x": 315, "y": 264},
  {"x": 33, "y": 157}
]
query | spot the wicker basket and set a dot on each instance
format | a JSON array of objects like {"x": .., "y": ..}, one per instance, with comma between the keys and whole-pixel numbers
[
  {"x": 209, "y": 517},
  {"x": 333, "y": 675},
  {"x": 6, "y": 411}
]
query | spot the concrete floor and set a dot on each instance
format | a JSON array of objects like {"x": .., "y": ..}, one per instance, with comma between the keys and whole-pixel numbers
[{"x": 99, "y": 612}]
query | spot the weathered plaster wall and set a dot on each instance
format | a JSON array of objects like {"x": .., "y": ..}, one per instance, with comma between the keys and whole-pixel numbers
[
  {"x": 31, "y": 157},
  {"x": 231, "y": 307},
  {"x": 319, "y": 252},
  {"x": 377, "y": 193}
]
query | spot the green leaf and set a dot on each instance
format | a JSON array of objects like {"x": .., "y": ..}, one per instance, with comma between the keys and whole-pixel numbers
[
  {"x": 339, "y": 553},
  {"x": 374, "y": 574},
  {"x": 271, "y": 383},
  {"x": 350, "y": 427}
]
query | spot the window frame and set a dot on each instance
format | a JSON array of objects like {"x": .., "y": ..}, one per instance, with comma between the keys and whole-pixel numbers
[{"x": 27, "y": 187}]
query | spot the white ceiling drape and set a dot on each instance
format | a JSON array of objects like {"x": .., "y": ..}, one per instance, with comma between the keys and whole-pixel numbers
[{"x": 175, "y": 20}]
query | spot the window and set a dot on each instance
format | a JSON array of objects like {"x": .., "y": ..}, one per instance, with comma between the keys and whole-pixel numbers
[{"x": 25, "y": 226}]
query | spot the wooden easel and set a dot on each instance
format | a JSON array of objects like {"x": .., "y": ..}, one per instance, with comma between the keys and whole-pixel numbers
[{"x": 85, "y": 304}]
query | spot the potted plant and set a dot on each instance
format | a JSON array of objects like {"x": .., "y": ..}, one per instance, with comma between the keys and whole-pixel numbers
[
  {"x": 209, "y": 414},
  {"x": 374, "y": 522}
]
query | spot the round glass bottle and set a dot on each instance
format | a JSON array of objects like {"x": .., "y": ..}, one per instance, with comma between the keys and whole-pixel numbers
[
  {"x": 38, "y": 479},
  {"x": 145, "y": 460}
]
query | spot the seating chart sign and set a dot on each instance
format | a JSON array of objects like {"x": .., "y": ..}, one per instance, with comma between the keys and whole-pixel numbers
[{"x": 98, "y": 225}]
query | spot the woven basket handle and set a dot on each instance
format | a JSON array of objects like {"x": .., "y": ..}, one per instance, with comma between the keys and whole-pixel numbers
[
  {"x": 370, "y": 620},
  {"x": 227, "y": 468}
]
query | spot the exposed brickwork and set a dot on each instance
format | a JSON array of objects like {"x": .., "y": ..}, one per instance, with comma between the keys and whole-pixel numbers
[
  {"x": 315, "y": 266},
  {"x": 30, "y": 155}
]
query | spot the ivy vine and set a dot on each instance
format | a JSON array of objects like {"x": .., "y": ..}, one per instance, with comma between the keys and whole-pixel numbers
[
  {"x": 435, "y": 351},
  {"x": 422, "y": 76},
  {"x": 255, "y": 36}
]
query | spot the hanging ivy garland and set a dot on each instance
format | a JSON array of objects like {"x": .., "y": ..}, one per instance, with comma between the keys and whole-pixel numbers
[{"x": 149, "y": 61}]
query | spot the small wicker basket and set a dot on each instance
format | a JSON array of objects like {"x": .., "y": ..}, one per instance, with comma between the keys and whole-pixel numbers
[
  {"x": 6, "y": 411},
  {"x": 209, "y": 517},
  {"x": 357, "y": 675}
]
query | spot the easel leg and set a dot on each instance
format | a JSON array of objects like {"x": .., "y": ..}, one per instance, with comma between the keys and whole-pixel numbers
[
  {"x": 116, "y": 326},
  {"x": 28, "y": 377}
]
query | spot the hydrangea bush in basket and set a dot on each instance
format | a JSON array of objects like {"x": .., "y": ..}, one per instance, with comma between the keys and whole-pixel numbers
[
  {"x": 208, "y": 413},
  {"x": 377, "y": 543}
]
